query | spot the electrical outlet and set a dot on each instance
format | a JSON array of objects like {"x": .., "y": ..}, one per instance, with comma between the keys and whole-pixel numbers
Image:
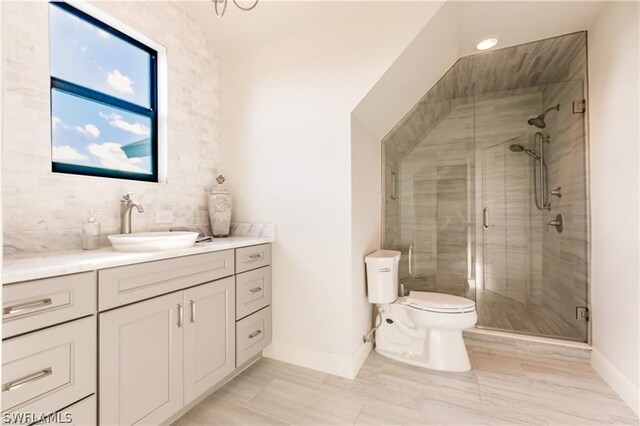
[{"x": 164, "y": 217}]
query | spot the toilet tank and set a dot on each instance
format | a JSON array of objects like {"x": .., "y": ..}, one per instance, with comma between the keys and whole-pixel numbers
[{"x": 382, "y": 276}]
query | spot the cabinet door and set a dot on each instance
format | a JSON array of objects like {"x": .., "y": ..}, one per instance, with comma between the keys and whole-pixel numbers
[
  {"x": 209, "y": 342},
  {"x": 141, "y": 361}
]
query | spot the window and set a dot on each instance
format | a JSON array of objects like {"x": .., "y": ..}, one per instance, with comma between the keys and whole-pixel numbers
[{"x": 104, "y": 98}]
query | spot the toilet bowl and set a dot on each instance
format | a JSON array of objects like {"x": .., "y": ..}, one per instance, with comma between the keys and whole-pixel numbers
[
  {"x": 423, "y": 329},
  {"x": 427, "y": 333}
]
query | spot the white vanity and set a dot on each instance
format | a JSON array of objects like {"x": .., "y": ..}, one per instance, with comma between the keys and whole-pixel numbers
[{"x": 124, "y": 338}]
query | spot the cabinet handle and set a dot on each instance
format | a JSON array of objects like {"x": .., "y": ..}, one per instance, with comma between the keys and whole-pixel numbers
[
  {"x": 485, "y": 218},
  {"x": 255, "y": 290},
  {"x": 255, "y": 256},
  {"x": 25, "y": 306},
  {"x": 255, "y": 333},
  {"x": 15, "y": 384},
  {"x": 193, "y": 311},
  {"x": 180, "y": 313}
]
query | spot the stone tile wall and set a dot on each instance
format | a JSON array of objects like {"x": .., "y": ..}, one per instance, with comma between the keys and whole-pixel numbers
[{"x": 44, "y": 211}]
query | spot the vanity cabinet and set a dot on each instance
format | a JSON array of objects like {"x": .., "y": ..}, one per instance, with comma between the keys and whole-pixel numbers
[
  {"x": 49, "y": 350},
  {"x": 209, "y": 336},
  {"x": 160, "y": 354},
  {"x": 141, "y": 360},
  {"x": 134, "y": 344}
]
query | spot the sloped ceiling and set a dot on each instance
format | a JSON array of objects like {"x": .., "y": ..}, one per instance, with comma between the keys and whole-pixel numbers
[
  {"x": 461, "y": 25},
  {"x": 527, "y": 65}
]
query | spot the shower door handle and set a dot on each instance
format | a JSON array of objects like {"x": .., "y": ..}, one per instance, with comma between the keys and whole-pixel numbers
[
  {"x": 410, "y": 260},
  {"x": 485, "y": 218}
]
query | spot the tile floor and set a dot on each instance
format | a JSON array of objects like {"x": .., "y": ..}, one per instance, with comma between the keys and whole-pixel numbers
[{"x": 503, "y": 388}]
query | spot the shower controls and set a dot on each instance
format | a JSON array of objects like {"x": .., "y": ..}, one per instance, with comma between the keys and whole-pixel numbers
[
  {"x": 558, "y": 223},
  {"x": 485, "y": 218},
  {"x": 557, "y": 192}
]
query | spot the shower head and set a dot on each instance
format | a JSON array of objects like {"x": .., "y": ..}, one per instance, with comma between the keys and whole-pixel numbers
[
  {"x": 539, "y": 120},
  {"x": 520, "y": 148}
]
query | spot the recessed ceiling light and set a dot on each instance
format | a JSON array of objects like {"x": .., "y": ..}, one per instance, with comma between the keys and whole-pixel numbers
[{"x": 487, "y": 43}]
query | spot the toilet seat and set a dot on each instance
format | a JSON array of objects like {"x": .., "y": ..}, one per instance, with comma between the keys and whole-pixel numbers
[{"x": 439, "y": 302}]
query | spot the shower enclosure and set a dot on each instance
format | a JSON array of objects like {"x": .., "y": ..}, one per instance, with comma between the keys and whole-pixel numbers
[{"x": 486, "y": 188}]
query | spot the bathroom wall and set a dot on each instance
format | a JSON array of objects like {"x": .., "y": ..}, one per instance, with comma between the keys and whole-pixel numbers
[
  {"x": 564, "y": 262},
  {"x": 614, "y": 67},
  {"x": 286, "y": 129},
  {"x": 44, "y": 211}
]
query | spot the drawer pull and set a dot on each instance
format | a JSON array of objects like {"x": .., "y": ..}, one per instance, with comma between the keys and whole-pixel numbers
[
  {"x": 255, "y": 256},
  {"x": 193, "y": 310},
  {"x": 255, "y": 334},
  {"x": 255, "y": 290},
  {"x": 15, "y": 384},
  {"x": 21, "y": 307}
]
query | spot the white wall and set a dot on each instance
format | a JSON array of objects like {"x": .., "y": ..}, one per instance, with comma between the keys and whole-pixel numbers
[
  {"x": 43, "y": 211},
  {"x": 366, "y": 196},
  {"x": 286, "y": 130},
  {"x": 614, "y": 70}
]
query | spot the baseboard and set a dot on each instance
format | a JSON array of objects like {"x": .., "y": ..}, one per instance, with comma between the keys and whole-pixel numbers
[
  {"x": 627, "y": 391},
  {"x": 338, "y": 365}
]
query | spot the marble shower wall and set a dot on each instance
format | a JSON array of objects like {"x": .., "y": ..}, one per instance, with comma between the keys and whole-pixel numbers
[
  {"x": 510, "y": 251},
  {"x": 445, "y": 183},
  {"x": 44, "y": 211},
  {"x": 565, "y": 255}
]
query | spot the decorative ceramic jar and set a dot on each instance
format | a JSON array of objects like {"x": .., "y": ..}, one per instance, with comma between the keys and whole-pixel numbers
[{"x": 220, "y": 209}]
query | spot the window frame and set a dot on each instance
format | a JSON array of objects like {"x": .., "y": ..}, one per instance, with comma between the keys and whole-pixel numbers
[{"x": 91, "y": 95}]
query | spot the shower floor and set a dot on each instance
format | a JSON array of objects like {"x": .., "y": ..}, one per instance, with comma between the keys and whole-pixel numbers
[{"x": 502, "y": 313}]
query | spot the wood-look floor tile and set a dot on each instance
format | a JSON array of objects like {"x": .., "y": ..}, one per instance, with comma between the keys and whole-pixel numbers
[
  {"x": 504, "y": 388},
  {"x": 265, "y": 370},
  {"x": 380, "y": 413},
  {"x": 215, "y": 411},
  {"x": 301, "y": 405}
]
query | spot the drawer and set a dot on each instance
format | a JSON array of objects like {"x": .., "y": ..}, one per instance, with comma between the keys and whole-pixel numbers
[
  {"x": 253, "y": 334},
  {"x": 253, "y": 291},
  {"x": 37, "y": 304},
  {"x": 47, "y": 370},
  {"x": 248, "y": 258},
  {"x": 82, "y": 413},
  {"x": 127, "y": 284}
]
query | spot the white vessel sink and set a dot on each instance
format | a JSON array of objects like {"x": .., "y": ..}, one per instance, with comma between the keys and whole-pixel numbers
[{"x": 152, "y": 241}]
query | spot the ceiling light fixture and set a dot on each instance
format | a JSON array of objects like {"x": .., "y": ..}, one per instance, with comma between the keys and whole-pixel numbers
[
  {"x": 221, "y": 6},
  {"x": 487, "y": 43}
]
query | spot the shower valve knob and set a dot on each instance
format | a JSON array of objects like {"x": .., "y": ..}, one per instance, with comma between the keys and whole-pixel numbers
[
  {"x": 557, "y": 192},
  {"x": 557, "y": 223}
]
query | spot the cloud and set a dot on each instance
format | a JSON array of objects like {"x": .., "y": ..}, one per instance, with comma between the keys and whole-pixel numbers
[
  {"x": 89, "y": 130},
  {"x": 102, "y": 33},
  {"x": 112, "y": 156},
  {"x": 66, "y": 153},
  {"x": 120, "y": 82},
  {"x": 55, "y": 122},
  {"x": 117, "y": 121}
]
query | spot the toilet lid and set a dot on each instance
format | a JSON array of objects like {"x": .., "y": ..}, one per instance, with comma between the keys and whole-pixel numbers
[{"x": 440, "y": 301}]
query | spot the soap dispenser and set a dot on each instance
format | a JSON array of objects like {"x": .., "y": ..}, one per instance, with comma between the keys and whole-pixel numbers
[{"x": 91, "y": 232}]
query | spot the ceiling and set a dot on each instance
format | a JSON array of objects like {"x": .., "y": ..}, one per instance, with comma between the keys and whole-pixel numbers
[{"x": 272, "y": 19}]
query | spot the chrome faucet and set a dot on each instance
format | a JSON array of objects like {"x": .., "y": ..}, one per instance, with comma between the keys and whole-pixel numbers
[{"x": 126, "y": 205}]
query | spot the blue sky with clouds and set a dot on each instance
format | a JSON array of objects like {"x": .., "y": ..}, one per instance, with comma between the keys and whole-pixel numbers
[{"x": 90, "y": 133}]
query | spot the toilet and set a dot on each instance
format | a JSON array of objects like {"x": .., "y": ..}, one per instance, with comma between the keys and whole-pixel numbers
[{"x": 423, "y": 329}]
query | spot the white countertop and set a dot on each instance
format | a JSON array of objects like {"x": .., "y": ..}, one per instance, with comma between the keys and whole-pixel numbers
[{"x": 43, "y": 265}]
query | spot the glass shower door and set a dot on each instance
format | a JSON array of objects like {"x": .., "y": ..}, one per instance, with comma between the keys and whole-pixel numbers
[{"x": 430, "y": 210}]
